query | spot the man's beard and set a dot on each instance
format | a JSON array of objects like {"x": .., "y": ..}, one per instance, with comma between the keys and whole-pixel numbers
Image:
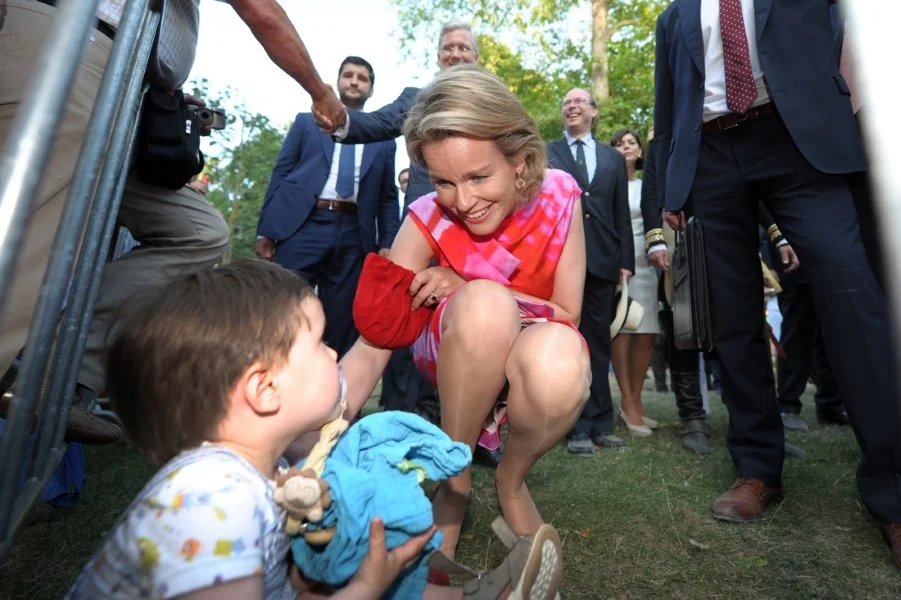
[{"x": 354, "y": 103}]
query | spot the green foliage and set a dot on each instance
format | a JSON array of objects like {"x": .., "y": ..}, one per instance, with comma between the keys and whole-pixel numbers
[
  {"x": 542, "y": 49},
  {"x": 239, "y": 166}
]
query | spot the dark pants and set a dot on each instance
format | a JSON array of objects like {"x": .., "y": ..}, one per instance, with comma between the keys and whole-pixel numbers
[
  {"x": 816, "y": 213},
  {"x": 597, "y": 310},
  {"x": 658, "y": 362},
  {"x": 805, "y": 354},
  {"x": 402, "y": 385},
  {"x": 326, "y": 251}
]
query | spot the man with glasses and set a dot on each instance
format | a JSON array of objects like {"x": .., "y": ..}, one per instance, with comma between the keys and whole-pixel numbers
[{"x": 601, "y": 173}]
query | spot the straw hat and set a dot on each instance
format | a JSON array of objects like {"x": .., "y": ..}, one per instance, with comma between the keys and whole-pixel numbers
[{"x": 628, "y": 313}]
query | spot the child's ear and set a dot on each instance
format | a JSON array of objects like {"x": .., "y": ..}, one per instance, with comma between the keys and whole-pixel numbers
[{"x": 261, "y": 389}]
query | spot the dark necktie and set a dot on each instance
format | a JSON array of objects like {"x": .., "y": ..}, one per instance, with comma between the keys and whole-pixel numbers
[
  {"x": 346, "y": 167},
  {"x": 741, "y": 89},
  {"x": 580, "y": 160}
]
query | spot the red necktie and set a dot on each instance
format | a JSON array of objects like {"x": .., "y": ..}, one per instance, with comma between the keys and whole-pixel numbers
[{"x": 741, "y": 89}]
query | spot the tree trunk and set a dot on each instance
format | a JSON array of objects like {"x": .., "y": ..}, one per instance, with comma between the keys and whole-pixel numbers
[{"x": 600, "y": 82}]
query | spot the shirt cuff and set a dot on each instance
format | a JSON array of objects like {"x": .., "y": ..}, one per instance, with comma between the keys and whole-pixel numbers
[
  {"x": 656, "y": 247},
  {"x": 342, "y": 131}
]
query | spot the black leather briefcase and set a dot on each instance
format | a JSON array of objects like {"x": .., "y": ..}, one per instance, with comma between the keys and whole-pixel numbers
[{"x": 692, "y": 320}]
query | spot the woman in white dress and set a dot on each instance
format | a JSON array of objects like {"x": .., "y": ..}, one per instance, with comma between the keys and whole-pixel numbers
[{"x": 632, "y": 349}]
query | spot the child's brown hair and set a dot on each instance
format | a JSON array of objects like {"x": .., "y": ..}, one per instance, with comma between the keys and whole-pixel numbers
[{"x": 174, "y": 357}]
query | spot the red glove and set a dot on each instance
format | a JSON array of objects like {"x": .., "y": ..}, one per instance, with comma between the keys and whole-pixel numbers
[{"x": 382, "y": 310}]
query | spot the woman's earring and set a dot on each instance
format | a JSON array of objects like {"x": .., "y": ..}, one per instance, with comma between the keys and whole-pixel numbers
[{"x": 520, "y": 182}]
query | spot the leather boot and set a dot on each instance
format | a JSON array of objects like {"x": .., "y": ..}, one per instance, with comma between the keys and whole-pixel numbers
[
  {"x": 693, "y": 428},
  {"x": 695, "y": 435}
]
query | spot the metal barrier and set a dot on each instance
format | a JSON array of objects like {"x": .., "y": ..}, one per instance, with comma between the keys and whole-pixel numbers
[{"x": 91, "y": 206}]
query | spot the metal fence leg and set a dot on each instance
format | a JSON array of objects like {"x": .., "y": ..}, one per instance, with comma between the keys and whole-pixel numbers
[
  {"x": 91, "y": 260},
  {"x": 44, "y": 324}
]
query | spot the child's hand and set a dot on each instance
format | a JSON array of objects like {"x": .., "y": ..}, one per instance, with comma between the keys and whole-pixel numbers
[{"x": 380, "y": 568}]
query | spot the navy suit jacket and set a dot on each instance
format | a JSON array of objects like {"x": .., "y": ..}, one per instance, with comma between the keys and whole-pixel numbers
[
  {"x": 387, "y": 123},
  {"x": 796, "y": 46},
  {"x": 609, "y": 245},
  {"x": 300, "y": 173}
]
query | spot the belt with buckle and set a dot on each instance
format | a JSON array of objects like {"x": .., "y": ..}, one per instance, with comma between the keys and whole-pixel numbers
[
  {"x": 735, "y": 119},
  {"x": 336, "y": 205},
  {"x": 101, "y": 26}
]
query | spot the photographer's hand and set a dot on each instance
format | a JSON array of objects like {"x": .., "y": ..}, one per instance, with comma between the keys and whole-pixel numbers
[{"x": 191, "y": 99}]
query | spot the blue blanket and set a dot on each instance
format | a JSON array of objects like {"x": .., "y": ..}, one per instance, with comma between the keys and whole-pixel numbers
[{"x": 375, "y": 470}]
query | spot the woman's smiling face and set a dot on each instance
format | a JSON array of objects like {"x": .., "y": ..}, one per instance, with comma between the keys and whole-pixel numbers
[{"x": 474, "y": 181}]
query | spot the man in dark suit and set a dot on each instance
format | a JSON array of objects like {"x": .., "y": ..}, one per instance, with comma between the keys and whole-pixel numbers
[
  {"x": 601, "y": 173},
  {"x": 328, "y": 205},
  {"x": 743, "y": 89}
]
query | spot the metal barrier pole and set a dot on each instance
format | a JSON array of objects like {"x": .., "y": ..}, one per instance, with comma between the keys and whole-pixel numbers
[
  {"x": 26, "y": 151},
  {"x": 97, "y": 237},
  {"x": 53, "y": 288}
]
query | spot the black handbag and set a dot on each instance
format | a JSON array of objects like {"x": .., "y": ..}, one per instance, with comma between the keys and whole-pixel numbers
[
  {"x": 692, "y": 320},
  {"x": 168, "y": 148}
]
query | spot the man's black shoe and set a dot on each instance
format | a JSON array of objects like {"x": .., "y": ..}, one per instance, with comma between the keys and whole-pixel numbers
[{"x": 833, "y": 418}]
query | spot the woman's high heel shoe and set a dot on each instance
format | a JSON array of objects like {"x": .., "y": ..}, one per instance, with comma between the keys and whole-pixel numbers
[
  {"x": 639, "y": 430},
  {"x": 650, "y": 423}
]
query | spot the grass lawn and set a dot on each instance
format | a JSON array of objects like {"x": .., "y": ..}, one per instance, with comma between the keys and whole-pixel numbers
[{"x": 634, "y": 522}]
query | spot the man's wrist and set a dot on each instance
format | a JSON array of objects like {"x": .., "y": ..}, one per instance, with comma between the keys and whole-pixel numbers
[
  {"x": 656, "y": 247},
  {"x": 342, "y": 131}
]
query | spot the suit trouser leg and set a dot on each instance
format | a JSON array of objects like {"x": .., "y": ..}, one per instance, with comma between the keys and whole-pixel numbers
[
  {"x": 597, "y": 415},
  {"x": 827, "y": 397},
  {"x": 21, "y": 41},
  {"x": 658, "y": 362},
  {"x": 729, "y": 218},
  {"x": 816, "y": 212},
  {"x": 310, "y": 248},
  {"x": 338, "y": 284},
  {"x": 799, "y": 324},
  {"x": 400, "y": 390}
]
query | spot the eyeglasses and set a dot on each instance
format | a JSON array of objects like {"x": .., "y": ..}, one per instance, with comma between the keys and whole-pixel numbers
[
  {"x": 451, "y": 49},
  {"x": 576, "y": 102}
]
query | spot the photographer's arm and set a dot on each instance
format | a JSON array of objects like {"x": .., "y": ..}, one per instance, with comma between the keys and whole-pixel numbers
[{"x": 271, "y": 26}]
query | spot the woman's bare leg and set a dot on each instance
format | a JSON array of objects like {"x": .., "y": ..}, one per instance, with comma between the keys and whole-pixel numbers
[
  {"x": 479, "y": 326},
  {"x": 621, "y": 356},
  {"x": 642, "y": 349},
  {"x": 549, "y": 376}
]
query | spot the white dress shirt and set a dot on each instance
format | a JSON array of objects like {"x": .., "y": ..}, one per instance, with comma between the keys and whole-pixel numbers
[
  {"x": 591, "y": 154},
  {"x": 714, "y": 67},
  {"x": 329, "y": 192}
]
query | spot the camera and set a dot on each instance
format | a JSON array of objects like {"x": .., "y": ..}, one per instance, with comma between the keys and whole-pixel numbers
[{"x": 214, "y": 118}]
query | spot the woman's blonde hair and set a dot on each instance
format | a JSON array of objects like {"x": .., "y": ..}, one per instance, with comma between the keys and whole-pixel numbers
[{"x": 469, "y": 101}]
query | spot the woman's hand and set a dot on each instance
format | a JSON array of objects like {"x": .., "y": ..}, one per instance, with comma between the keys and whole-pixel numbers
[{"x": 433, "y": 284}]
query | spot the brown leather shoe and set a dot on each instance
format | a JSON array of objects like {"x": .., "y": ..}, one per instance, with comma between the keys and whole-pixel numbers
[
  {"x": 745, "y": 500},
  {"x": 892, "y": 532}
]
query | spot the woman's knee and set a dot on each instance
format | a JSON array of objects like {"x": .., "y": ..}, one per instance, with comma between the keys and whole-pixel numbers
[
  {"x": 550, "y": 362},
  {"x": 482, "y": 309}
]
